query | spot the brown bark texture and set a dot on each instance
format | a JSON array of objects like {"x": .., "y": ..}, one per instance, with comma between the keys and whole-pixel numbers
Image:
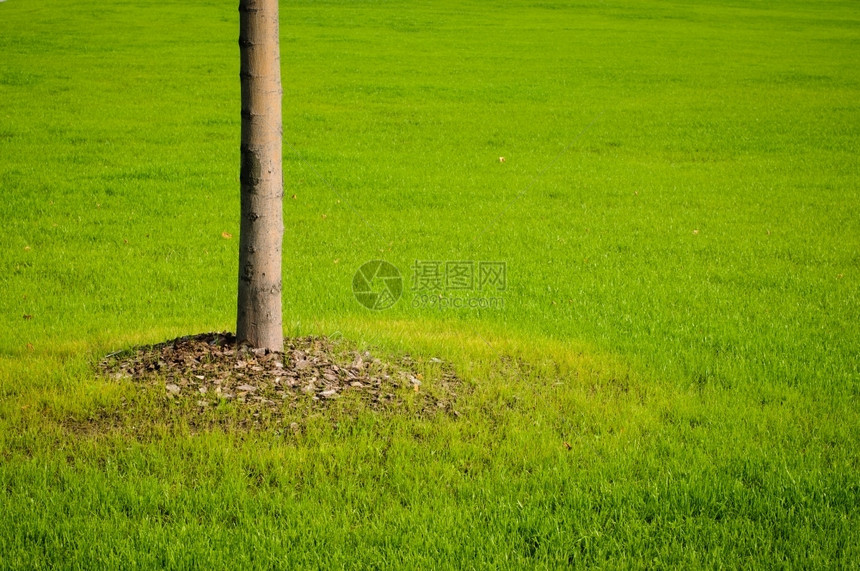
[{"x": 261, "y": 230}]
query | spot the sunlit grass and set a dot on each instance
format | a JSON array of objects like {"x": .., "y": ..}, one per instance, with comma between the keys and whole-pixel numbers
[{"x": 672, "y": 381}]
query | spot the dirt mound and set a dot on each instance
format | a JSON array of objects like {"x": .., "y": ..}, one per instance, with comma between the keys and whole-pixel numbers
[{"x": 210, "y": 369}]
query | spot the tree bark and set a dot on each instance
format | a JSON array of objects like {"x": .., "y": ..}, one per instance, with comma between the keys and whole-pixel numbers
[{"x": 261, "y": 231}]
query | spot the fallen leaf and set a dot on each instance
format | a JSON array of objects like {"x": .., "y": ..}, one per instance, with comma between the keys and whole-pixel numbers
[
  {"x": 567, "y": 445},
  {"x": 28, "y": 317},
  {"x": 501, "y": 159},
  {"x": 226, "y": 235}
]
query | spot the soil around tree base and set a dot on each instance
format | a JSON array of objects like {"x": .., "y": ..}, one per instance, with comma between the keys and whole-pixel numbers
[{"x": 210, "y": 370}]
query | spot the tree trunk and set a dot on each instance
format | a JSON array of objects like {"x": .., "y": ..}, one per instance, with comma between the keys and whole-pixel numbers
[{"x": 261, "y": 228}]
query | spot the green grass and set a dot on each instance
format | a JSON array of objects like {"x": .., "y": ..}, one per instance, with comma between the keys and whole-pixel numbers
[{"x": 680, "y": 217}]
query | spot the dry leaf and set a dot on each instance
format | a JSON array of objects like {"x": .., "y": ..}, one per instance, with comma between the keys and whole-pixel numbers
[{"x": 226, "y": 235}]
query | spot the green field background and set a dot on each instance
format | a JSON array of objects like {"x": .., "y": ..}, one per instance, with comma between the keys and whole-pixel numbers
[{"x": 678, "y": 210}]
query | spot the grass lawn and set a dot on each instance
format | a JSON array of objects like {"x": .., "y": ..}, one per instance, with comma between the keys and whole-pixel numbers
[{"x": 671, "y": 378}]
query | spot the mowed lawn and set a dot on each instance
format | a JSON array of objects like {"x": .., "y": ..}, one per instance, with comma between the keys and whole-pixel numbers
[{"x": 671, "y": 380}]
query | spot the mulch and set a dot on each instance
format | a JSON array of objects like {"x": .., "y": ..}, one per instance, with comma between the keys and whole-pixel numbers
[{"x": 210, "y": 369}]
